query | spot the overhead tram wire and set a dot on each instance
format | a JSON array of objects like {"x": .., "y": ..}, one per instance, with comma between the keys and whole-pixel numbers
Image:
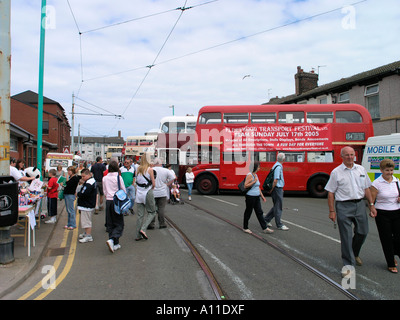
[
  {"x": 182, "y": 9},
  {"x": 153, "y": 64},
  {"x": 229, "y": 42},
  {"x": 155, "y": 59},
  {"x": 148, "y": 16}
]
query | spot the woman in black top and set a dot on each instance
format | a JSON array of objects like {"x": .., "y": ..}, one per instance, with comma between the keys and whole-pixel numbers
[{"x": 69, "y": 196}]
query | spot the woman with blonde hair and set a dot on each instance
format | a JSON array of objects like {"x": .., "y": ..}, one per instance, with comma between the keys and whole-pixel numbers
[{"x": 145, "y": 182}]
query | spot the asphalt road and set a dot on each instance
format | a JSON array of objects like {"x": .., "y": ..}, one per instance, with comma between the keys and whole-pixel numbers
[{"x": 163, "y": 268}]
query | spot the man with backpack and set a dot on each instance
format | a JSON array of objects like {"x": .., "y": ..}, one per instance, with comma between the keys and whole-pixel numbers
[{"x": 277, "y": 195}]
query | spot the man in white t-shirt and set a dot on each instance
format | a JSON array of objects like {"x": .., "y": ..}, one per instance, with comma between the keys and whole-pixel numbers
[
  {"x": 16, "y": 174},
  {"x": 347, "y": 186},
  {"x": 164, "y": 178}
]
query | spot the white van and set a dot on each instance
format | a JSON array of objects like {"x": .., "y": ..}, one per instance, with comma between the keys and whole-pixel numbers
[
  {"x": 379, "y": 148},
  {"x": 55, "y": 159}
]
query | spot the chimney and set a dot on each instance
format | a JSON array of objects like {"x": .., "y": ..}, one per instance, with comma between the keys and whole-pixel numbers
[
  {"x": 305, "y": 81},
  {"x": 119, "y": 133}
]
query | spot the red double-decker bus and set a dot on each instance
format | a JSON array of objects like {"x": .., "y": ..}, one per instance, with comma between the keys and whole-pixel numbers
[{"x": 229, "y": 138}]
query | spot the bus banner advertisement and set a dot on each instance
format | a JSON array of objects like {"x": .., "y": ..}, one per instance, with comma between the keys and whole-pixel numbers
[{"x": 277, "y": 137}]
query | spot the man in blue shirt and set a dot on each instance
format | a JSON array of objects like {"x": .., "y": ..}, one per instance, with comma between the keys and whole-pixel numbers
[{"x": 277, "y": 195}]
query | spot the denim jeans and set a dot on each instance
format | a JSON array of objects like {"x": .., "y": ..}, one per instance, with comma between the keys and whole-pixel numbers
[
  {"x": 190, "y": 187},
  {"x": 276, "y": 210},
  {"x": 69, "y": 205},
  {"x": 131, "y": 192}
]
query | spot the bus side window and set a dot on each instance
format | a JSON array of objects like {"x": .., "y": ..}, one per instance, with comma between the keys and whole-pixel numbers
[
  {"x": 236, "y": 118},
  {"x": 294, "y": 156},
  {"x": 210, "y": 118},
  {"x": 319, "y": 117},
  {"x": 263, "y": 117},
  {"x": 265, "y": 156},
  {"x": 348, "y": 117},
  {"x": 320, "y": 156},
  {"x": 291, "y": 117}
]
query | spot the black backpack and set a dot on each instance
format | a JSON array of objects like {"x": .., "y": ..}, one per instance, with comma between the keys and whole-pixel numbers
[{"x": 269, "y": 180}]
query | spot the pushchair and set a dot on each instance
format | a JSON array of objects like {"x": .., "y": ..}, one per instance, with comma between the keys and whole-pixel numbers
[{"x": 175, "y": 197}]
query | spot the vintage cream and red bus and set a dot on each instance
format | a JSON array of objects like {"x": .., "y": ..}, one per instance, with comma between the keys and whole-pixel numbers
[
  {"x": 176, "y": 144},
  {"x": 135, "y": 146},
  {"x": 229, "y": 138}
]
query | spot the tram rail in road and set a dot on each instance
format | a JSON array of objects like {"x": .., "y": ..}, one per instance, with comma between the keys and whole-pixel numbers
[{"x": 214, "y": 283}]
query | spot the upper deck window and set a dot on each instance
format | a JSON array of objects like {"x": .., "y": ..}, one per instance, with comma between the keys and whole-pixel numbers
[
  {"x": 348, "y": 117},
  {"x": 263, "y": 117},
  {"x": 291, "y": 117},
  {"x": 210, "y": 118},
  {"x": 236, "y": 118},
  {"x": 319, "y": 117}
]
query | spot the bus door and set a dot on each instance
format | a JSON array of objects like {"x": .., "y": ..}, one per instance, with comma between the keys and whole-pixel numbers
[
  {"x": 234, "y": 166},
  {"x": 359, "y": 150},
  {"x": 170, "y": 156}
]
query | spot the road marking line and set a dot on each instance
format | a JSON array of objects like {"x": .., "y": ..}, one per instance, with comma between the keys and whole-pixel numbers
[
  {"x": 68, "y": 265},
  {"x": 232, "y": 204},
  {"x": 316, "y": 232},
  {"x": 245, "y": 292},
  {"x": 57, "y": 262}
]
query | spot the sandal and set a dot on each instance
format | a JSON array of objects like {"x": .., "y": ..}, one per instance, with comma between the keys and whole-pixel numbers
[
  {"x": 143, "y": 234},
  {"x": 392, "y": 269}
]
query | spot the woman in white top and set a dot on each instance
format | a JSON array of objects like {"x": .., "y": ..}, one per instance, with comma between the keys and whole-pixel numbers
[
  {"x": 189, "y": 175},
  {"x": 145, "y": 183},
  {"x": 385, "y": 190}
]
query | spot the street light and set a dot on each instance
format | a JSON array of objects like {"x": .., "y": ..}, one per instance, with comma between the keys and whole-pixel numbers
[{"x": 173, "y": 109}]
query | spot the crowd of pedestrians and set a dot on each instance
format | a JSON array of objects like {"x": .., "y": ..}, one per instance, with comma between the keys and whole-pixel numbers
[
  {"x": 347, "y": 187},
  {"x": 86, "y": 191},
  {"x": 151, "y": 186}
]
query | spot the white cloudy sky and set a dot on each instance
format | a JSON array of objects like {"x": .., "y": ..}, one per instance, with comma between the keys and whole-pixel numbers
[{"x": 201, "y": 61}]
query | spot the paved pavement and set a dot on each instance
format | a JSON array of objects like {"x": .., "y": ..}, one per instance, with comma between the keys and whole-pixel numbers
[{"x": 14, "y": 273}]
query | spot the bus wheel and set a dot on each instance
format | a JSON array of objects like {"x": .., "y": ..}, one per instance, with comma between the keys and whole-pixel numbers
[
  {"x": 207, "y": 184},
  {"x": 316, "y": 187}
]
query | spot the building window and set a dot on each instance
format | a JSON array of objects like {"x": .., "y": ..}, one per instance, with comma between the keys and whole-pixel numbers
[
  {"x": 344, "y": 97},
  {"x": 372, "y": 100},
  {"x": 13, "y": 144},
  {"x": 323, "y": 100},
  {"x": 45, "y": 127}
]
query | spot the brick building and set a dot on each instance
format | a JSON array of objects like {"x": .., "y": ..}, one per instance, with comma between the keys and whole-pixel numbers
[
  {"x": 378, "y": 90},
  {"x": 56, "y": 128}
]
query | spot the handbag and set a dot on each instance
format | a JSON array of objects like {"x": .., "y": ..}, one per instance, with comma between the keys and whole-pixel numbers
[
  {"x": 122, "y": 203},
  {"x": 242, "y": 188}
]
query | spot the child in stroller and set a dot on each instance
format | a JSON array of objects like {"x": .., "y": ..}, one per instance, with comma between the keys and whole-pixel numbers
[{"x": 175, "y": 194}]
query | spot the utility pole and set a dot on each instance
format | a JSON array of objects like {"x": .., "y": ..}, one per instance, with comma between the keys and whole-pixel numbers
[
  {"x": 5, "y": 79},
  {"x": 72, "y": 133},
  {"x": 40, "y": 93}
]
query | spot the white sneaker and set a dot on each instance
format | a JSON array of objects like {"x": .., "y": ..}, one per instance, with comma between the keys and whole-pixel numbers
[
  {"x": 53, "y": 219},
  {"x": 116, "y": 247},
  {"x": 110, "y": 244},
  {"x": 190, "y": 198},
  {"x": 283, "y": 227},
  {"x": 82, "y": 235},
  {"x": 87, "y": 238}
]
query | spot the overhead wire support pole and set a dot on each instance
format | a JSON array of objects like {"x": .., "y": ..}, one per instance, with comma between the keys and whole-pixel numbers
[
  {"x": 5, "y": 81},
  {"x": 39, "y": 148},
  {"x": 117, "y": 116}
]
